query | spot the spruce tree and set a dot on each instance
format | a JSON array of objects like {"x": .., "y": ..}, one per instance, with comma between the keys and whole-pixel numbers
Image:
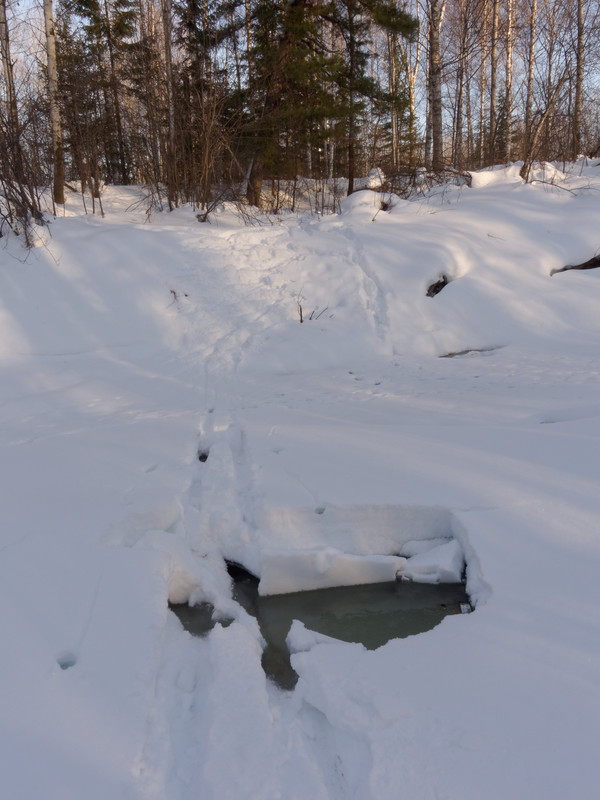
[
  {"x": 289, "y": 94},
  {"x": 108, "y": 27},
  {"x": 354, "y": 19},
  {"x": 299, "y": 83}
]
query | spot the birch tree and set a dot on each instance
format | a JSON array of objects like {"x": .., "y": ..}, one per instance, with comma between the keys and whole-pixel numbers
[
  {"x": 172, "y": 195},
  {"x": 508, "y": 88},
  {"x": 579, "y": 64},
  {"x": 493, "y": 122},
  {"x": 435, "y": 19},
  {"x": 58, "y": 183},
  {"x": 530, "y": 64},
  {"x": 12, "y": 115}
]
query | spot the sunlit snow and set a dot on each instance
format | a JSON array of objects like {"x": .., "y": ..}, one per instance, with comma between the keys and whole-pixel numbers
[{"x": 162, "y": 409}]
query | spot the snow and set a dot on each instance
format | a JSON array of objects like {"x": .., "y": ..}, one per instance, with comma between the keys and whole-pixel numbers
[
  {"x": 335, "y": 448},
  {"x": 442, "y": 564}
]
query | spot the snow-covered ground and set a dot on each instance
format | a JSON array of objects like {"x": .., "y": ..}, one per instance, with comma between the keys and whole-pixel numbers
[{"x": 128, "y": 346}]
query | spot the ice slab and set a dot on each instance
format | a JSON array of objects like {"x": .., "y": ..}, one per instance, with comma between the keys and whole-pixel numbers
[
  {"x": 358, "y": 529},
  {"x": 283, "y": 573}
]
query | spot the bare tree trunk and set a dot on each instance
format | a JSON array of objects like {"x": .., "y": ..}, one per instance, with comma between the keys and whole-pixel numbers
[
  {"x": 436, "y": 15},
  {"x": 530, "y": 77},
  {"x": 482, "y": 92},
  {"x": 549, "y": 122},
  {"x": 469, "y": 119},
  {"x": 510, "y": 11},
  {"x": 410, "y": 56},
  {"x": 236, "y": 53},
  {"x": 114, "y": 90},
  {"x": 461, "y": 75},
  {"x": 248, "y": 27},
  {"x": 351, "y": 100},
  {"x": 457, "y": 148},
  {"x": 171, "y": 157},
  {"x": 55, "y": 123},
  {"x": 577, "y": 112},
  {"x": 428, "y": 122},
  {"x": 535, "y": 134},
  {"x": 392, "y": 83},
  {"x": 18, "y": 181},
  {"x": 206, "y": 55},
  {"x": 493, "y": 82},
  {"x": 7, "y": 69},
  {"x": 153, "y": 95}
]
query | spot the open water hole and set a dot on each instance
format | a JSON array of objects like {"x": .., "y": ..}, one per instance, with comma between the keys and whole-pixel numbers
[{"x": 370, "y": 614}]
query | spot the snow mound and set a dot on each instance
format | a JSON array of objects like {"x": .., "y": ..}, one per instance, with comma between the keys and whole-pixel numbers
[
  {"x": 495, "y": 175},
  {"x": 366, "y": 201}
]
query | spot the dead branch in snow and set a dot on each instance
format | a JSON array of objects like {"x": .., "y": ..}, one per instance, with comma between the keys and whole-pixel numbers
[{"x": 592, "y": 263}]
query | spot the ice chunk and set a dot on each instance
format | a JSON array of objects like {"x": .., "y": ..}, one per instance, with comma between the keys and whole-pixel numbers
[
  {"x": 417, "y": 546},
  {"x": 300, "y": 639},
  {"x": 322, "y": 568}
]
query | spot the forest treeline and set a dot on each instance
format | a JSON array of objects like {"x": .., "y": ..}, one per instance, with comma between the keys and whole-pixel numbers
[{"x": 202, "y": 100}]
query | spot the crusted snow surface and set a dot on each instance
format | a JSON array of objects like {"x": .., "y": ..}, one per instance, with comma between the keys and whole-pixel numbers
[{"x": 163, "y": 409}]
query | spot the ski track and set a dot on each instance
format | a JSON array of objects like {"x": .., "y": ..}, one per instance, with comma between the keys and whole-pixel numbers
[
  {"x": 176, "y": 761},
  {"x": 374, "y": 293},
  {"x": 297, "y": 737}
]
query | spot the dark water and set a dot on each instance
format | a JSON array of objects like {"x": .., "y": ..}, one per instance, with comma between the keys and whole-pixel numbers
[{"x": 371, "y": 614}]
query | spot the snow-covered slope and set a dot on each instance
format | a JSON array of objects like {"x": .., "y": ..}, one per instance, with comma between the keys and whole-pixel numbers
[{"x": 128, "y": 347}]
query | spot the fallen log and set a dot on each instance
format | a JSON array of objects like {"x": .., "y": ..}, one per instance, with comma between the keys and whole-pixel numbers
[{"x": 591, "y": 263}]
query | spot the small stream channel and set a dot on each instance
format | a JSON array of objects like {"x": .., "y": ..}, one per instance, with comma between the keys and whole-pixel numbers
[{"x": 371, "y": 614}]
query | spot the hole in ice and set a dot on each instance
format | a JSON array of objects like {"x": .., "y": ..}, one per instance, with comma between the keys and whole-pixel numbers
[
  {"x": 203, "y": 455},
  {"x": 239, "y": 573},
  {"x": 320, "y": 510},
  {"x": 66, "y": 660},
  {"x": 197, "y": 620},
  {"x": 371, "y": 614}
]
